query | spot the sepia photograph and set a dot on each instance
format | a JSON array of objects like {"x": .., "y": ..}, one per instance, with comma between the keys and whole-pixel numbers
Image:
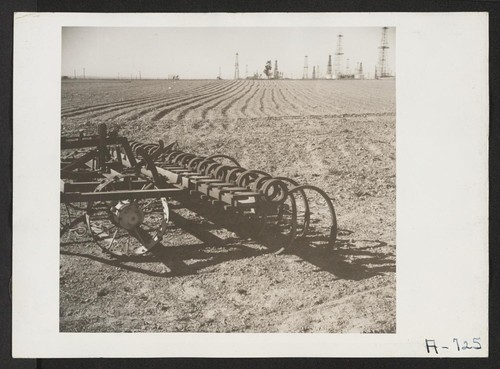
[
  {"x": 250, "y": 185},
  {"x": 219, "y": 179}
]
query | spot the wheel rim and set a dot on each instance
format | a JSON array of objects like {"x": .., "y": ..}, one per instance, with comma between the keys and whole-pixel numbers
[{"x": 109, "y": 232}]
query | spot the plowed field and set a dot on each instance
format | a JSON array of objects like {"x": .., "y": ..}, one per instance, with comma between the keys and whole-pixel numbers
[{"x": 337, "y": 135}]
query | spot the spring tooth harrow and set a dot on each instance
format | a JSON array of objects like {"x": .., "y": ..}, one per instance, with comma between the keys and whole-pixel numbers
[{"x": 122, "y": 189}]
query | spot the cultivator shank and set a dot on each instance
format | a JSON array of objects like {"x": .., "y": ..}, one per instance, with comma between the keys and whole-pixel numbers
[{"x": 124, "y": 188}]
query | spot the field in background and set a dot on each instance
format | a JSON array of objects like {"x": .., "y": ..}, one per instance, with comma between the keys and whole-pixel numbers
[
  {"x": 159, "y": 101},
  {"x": 338, "y": 135}
]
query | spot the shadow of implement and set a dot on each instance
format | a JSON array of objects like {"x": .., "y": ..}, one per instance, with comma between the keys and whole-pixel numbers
[{"x": 345, "y": 260}]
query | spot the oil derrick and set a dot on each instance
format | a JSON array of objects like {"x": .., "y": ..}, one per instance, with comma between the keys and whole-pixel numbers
[
  {"x": 276, "y": 73},
  {"x": 347, "y": 67},
  {"x": 339, "y": 58},
  {"x": 314, "y": 73},
  {"x": 382, "y": 70},
  {"x": 329, "y": 68},
  {"x": 305, "y": 75},
  {"x": 236, "y": 68},
  {"x": 359, "y": 72},
  {"x": 317, "y": 72}
]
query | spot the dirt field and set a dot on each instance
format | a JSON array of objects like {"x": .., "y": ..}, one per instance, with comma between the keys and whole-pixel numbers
[{"x": 337, "y": 135}]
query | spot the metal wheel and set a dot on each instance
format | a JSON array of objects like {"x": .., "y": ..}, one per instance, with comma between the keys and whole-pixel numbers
[{"x": 127, "y": 227}]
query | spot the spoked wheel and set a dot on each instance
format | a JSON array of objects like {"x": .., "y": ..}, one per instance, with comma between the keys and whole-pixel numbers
[
  {"x": 127, "y": 227},
  {"x": 281, "y": 228}
]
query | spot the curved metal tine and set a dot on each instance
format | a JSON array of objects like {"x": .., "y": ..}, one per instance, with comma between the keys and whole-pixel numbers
[
  {"x": 292, "y": 225},
  {"x": 147, "y": 186},
  {"x": 151, "y": 166},
  {"x": 305, "y": 201},
  {"x": 230, "y": 158},
  {"x": 331, "y": 208}
]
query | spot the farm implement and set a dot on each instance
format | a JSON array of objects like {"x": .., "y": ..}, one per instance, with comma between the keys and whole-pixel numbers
[{"x": 123, "y": 190}]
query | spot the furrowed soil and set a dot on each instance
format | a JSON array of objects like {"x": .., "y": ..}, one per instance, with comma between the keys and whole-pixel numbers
[{"x": 337, "y": 135}]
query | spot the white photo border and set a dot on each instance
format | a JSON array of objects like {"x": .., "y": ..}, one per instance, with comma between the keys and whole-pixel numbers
[{"x": 442, "y": 192}]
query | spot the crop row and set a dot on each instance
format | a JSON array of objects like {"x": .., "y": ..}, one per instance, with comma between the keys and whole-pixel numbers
[{"x": 177, "y": 100}]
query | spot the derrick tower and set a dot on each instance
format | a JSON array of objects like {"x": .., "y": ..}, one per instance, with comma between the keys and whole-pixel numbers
[
  {"x": 305, "y": 74},
  {"x": 276, "y": 72},
  {"x": 382, "y": 68},
  {"x": 339, "y": 57},
  {"x": 236, "y": 68},
  {"x": 329, "y": 68}
]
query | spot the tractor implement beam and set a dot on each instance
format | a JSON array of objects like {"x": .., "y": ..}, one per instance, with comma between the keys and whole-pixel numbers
[{"x": 120, "y": 195}]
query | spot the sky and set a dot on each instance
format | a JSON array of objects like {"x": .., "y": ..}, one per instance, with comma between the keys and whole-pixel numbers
[{"x": 197, "y": 53}]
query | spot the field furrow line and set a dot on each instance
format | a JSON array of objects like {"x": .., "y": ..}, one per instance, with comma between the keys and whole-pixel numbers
[
  {"x": 189, "y": 100},
  {"x": 222, "y": 96},
  {"x": 269, "y": 108},
  {"x": 146, "y": 108},
  {"x": 233, "y": 102},
  {"x": 254, "y": 104},
  {"x": 250, "y": 98},
  {"x": 273, "y": 99},
  {"x": 282, "y": 106},
  {"x": 223, "y": 101},
  {"x": 321, "y": 102},
  {"x": 261, "y": 101},
  {"x": 72, "y": 109},
  {"x": 132, "y": 102},
  {"x": 303, "y": 107},
  {"x": 287, "y": 101},
  {"x": 311, "y": 98},
  {"x": 91, "y": 109}
]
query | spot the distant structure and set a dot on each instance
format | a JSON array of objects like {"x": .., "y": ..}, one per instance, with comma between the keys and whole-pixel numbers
[
  {"x": 339, "y": 56},
  {"x": 140, "y": 77},
  {"x": 317, "y": 72},
  {"x": 305, "y": 75},
  {"x": 276, "y": 72},
  {"x": 236, "y": 68},
  {"x": 382, "y": 69},
  {"x": 347, "y": 67},
  {"x": 329, "y": 68},
  {"x": 359, "y": 72}
]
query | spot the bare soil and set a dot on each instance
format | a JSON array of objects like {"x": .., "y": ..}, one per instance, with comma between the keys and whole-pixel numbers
[{"x": 337, "y": 135}]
